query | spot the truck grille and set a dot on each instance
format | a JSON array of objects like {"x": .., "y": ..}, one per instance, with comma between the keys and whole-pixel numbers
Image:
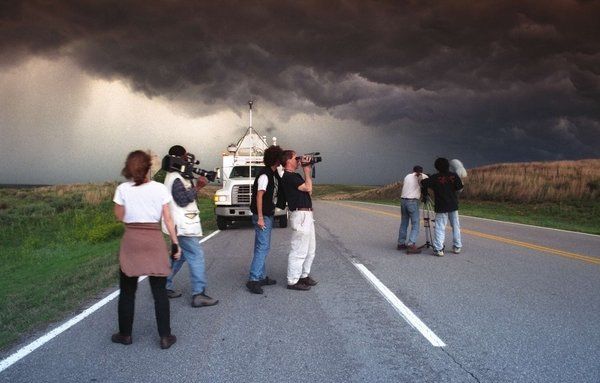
[{"x": 242, "y": 194}]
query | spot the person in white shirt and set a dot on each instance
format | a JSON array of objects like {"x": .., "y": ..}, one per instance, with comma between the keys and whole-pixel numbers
[
  {"x": 140, "y": 204},
  {"x": 409, "y": 204}
]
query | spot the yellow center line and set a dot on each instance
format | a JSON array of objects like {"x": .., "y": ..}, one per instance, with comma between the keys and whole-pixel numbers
[{"x": 527, "y": 245}]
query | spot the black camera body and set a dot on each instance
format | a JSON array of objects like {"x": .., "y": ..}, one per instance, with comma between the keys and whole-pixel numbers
[
  {"x": 314, "y": 157},
  {"x": 186, "y": 166}
]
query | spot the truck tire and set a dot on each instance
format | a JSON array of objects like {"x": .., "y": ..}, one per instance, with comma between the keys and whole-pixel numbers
[
  {"x": 221, "y": 222},
  {"x": 283, "y": 221}
]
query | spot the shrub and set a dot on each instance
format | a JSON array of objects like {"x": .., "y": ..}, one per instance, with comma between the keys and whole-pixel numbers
[{"x": 104, "y": 232}]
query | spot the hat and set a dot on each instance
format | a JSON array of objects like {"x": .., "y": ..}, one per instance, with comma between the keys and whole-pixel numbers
[{"x": 177, "y": 150}]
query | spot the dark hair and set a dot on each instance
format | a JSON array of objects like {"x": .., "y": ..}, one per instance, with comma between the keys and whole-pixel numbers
[
  {"x": 177, "y": 150},
  {"x": 137, "y": 166},
  {"x": 285, "y": 156},
  {"x": 272, "y": 155},
  {"x": 418, "y": 169},
  {"x": 442, "y": 165}
]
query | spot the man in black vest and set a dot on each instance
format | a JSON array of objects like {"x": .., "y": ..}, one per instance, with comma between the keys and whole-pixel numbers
[{"x": 265, "y": 192}]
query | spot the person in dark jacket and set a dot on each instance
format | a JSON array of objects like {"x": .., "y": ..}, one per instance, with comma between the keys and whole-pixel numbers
[
  {"x": 265, "y": 193},
  {"x": 445, "y": 185}
]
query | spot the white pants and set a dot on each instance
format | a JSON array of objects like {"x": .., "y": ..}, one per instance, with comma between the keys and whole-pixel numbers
[{"x": 303, "y": 245}]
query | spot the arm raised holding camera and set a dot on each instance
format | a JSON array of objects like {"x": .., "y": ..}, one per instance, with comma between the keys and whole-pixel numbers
[{"x": 306, "y": 168}]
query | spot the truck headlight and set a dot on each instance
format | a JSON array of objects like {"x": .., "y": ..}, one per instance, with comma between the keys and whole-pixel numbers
[{"x": 220, "y": 198}]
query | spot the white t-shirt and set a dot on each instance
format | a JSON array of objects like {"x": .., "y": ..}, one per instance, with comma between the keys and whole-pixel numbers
[
  {"x": 143, "y": 203},
  {"x": 412, "y": 186},
  {"x": 263, "y": 181}
]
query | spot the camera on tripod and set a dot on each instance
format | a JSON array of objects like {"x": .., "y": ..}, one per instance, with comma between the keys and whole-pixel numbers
[
  {"x": 314, "y": 158},
  {"x": 187, "y": 166}
]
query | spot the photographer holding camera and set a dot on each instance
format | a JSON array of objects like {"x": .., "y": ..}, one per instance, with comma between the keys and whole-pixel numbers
[
  {"x": 186, "y": 216},
  {"x": 303, "y": 245}
]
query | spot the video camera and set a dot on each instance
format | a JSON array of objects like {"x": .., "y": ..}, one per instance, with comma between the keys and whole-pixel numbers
[
  {"x": 186, "y": 166},
  {"x": 314, "y": 158}
]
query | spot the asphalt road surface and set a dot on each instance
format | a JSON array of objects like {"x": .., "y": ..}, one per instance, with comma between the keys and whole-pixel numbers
[{"x": 519, "y": 304}]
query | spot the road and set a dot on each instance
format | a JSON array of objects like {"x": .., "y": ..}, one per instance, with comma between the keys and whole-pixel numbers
[{"x": 519, "y": 304}]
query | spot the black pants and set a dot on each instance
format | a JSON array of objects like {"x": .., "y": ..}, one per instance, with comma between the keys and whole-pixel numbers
[{"x": 128, "y": 287}]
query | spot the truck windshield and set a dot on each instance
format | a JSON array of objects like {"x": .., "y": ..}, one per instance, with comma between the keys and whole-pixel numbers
[{"x": 244, "y": 171}]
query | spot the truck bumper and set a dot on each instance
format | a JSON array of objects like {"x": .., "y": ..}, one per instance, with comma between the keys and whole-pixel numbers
[
  {"x": 233, "y": 211},
  {"x": 241, "y": 211}
]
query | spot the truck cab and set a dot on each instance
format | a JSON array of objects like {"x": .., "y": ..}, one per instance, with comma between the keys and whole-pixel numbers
[{"x": 240, "y": 165}]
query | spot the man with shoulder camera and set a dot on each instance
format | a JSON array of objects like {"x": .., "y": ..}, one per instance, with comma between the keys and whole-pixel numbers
[
  {"x": 303, "y": 245},
  {"x": 186, "y": 217},
  {"x": 445, "y": 185},
  {"x": 409, "y": 206},
  {"x": 265, "y": 198}
]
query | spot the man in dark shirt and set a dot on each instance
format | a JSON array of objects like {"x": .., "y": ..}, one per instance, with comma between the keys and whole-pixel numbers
[
  {"x": 445, "y": 185},
  {"x": 303, "y": 245}
]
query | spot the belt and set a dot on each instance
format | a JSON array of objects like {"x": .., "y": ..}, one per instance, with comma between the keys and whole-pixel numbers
[
  {"x": 410, "y": 198},
  {"x": 303, "y": 209}
]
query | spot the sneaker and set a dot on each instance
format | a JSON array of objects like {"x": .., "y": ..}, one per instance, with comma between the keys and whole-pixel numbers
[
  {"x": 412, "y": 249},
  {"x": 167, "y": 341},
  {"x": 254, "y": 287},
  {"x": 201, "y": 300},
  {"x": 299, "y": 286},
  {"x": 456, "y": 250},
  {"x": 307, "y": 281},
  {"x": 120, "y": 338},
  {"x": 173, "y": 293},
  {"x": 267, "y": 282},
  {"x": 438, "y": 253},
  {"x": 401, "y": 246}
]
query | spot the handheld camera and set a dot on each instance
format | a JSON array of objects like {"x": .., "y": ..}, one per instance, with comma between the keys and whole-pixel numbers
[
  {"x": 313, "y": 158},
  {"x": 187, "y": 166}
]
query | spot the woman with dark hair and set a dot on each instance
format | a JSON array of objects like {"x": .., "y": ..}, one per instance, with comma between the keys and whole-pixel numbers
[{"x": 140, "y": 203}]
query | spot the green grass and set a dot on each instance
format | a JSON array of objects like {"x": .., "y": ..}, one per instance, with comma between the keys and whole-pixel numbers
[
  {"x": 58, "y": 249},
  {"x": 583, "y": 216}
]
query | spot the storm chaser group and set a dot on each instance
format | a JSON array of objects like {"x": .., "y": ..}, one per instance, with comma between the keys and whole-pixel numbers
[
  {"x": 144, "y": 206},
  {"x": 276, "y": 191}
]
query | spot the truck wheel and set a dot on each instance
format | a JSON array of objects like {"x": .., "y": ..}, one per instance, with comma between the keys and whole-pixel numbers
[
  {"x": 221, "y": 223},
  {"x": 283, "y": 221}
]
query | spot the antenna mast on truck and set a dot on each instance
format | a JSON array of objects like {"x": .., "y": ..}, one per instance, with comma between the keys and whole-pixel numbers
[{"x": 250, "y": 106}]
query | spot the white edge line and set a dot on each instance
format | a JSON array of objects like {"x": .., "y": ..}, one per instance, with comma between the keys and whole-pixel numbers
[
  {"x": 28, "y": 349},
  {"x": 400, "y": 307},
  {"x": 480, "y": 218}
]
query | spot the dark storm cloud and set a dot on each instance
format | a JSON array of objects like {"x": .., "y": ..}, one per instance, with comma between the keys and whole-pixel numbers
[{"x": 511, "y": 80}]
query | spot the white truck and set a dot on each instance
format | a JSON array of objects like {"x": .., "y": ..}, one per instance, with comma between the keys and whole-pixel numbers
[{"x": 241, "y": 164}]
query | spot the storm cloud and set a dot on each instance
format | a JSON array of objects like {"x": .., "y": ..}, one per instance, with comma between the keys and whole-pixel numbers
[{"x": 502, "y": 81}]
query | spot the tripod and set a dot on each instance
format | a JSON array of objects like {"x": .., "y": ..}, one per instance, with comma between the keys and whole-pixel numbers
[{"x": 428, "y": 220}]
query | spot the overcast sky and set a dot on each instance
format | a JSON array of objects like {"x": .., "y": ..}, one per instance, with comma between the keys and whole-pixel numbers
[{"x": 375, "y": 86}]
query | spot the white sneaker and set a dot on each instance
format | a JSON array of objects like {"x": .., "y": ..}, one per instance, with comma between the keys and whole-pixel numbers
[
  {"x": 438, "y": 253},
  {"x": 456, "y": 250}
]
